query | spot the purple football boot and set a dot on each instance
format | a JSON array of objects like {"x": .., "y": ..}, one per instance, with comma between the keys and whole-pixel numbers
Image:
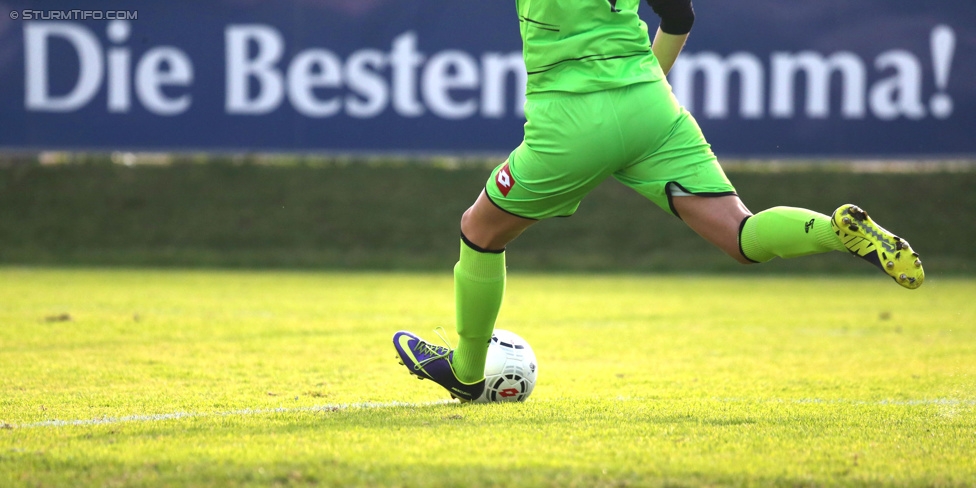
[{"x": 428, "y": 361}]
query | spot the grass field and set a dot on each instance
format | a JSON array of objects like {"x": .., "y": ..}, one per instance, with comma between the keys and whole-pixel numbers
[{"x": 225, "y": 378}]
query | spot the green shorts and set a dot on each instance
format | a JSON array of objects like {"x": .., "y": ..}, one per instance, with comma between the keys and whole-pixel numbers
[{"x": 639, "y": 134}]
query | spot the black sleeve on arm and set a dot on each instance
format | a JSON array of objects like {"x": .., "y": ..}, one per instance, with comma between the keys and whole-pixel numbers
[{"x": 677, "y": 16}]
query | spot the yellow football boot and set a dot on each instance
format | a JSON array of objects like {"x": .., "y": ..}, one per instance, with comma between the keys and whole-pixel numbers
[{"x": 871, "y": 242}]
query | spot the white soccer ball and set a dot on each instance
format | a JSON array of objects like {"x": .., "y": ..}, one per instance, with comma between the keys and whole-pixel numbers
[{"x": 510, "y": 369}]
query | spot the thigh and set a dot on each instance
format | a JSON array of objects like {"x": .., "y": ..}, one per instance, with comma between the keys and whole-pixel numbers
[
  {"x": 680, "y": 163},
  {"x": 572, "y": 143}
]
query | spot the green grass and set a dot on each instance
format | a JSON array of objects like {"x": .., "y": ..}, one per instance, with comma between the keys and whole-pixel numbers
[
  {"x": 289, "y": 379},
  {"x": 406, "y": 217}
]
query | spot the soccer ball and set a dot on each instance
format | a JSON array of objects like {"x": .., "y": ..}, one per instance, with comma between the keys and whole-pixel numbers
[{"x": 510, "y": 369}]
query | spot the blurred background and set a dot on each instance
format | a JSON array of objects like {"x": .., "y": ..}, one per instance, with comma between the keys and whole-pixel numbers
[{"x": 328, "y": 134}]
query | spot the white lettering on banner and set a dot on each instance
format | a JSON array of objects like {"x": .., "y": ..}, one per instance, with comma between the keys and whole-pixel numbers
[
  {"x": 314, "y": 68},
  {"x": 452, "y": 84},
  {"x": 86, "y": 45},
  {"x": 119, "y": 64},
  {"x": 447, "y": 84},
  {"x": 371, "y": 93},
  {"x": 158, "y": 67},
  {"x": 897, "y": 94},
  {"x": 900, "y": 94},
  {"x": 717, "y": 76},
  {"x": 163, "y": 66},
  {"x": 240, "y": 69},
  {"x": 445, "y": 71},
  {"x": 405, "y": 60},
  {"x": 495, "y": 70},
  {"x": 942, "y": 42},
  {"x": 817, "y": 71}
]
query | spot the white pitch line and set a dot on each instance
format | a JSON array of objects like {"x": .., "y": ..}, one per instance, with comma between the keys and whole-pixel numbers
[
  {"x": 371, "y": 405},
  {"x": 232, "y": 413},
  {"x": 841, "y": 401}
]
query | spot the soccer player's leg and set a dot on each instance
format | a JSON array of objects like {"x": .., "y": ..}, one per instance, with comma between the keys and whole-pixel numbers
[
  {"x": 788, "y": 232},
  {"x": 563, "y": 157},
  {"x": 785, "y": 232},
  {"x": 683, "y": 176},
  {"x": 479, "y": 286},
  {"x": 479, "y": 281}
]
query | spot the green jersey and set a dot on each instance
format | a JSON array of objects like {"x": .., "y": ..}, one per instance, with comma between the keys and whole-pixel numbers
[{"x": 583, "y": 46}]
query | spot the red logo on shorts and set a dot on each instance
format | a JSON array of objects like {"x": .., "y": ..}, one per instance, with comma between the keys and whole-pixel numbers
[
  {"x": 508, "y": 392},
  {"x": 504, "y": 180}
]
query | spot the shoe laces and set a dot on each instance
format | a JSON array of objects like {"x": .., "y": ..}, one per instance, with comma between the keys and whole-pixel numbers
[{"x": 433, "y": 351}]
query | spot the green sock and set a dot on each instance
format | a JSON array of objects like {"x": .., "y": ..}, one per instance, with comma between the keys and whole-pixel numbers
[
  {"x": 479, "y": 285},
  {"x": 787, "y": 232}
]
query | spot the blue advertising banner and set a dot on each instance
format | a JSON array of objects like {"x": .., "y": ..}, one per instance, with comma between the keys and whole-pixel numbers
[{"x": 890, "y": 78}]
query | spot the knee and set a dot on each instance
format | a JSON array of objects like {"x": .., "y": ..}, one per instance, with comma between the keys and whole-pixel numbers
[
  {"x": 483, "y": 233},
  {"x": 468, "y": 222},
  {"x": 742, "y": 259},
  {"x": 475, "y": 232},
  {"x": 735, "y": 251}
]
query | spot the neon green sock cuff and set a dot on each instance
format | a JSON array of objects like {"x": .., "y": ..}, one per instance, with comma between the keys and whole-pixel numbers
[
  {"x": 749, "y": 242},
  {"x": 481, "y": 265},
  {"x": 786, "y": 232}
]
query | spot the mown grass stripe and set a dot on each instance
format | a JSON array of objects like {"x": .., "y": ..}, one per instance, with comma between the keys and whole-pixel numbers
[
  {"x": 372, "y": 405},
  {"x": 231, "y": 413}
]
